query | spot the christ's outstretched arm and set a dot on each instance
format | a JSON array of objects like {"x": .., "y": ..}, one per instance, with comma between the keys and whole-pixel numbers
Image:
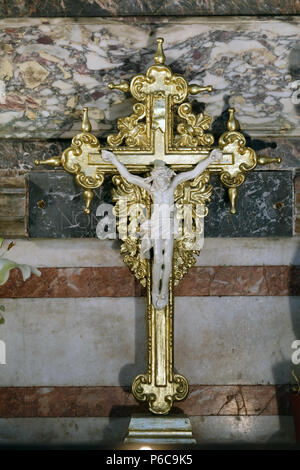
[
  {"x": 215, "y": 155},
  {"x": 133, "y": 179}
]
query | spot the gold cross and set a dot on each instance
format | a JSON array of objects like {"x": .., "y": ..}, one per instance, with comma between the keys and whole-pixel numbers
[{"x": 162, "y": 126}]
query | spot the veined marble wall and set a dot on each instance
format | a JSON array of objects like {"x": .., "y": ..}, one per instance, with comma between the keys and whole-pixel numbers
[
  {"x": 51, "y": 68},
  {"x": 69, "y": 369}
]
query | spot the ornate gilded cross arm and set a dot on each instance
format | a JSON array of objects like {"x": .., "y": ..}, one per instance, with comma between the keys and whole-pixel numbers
[
  {"x": 77, "y": 160},
  {"x": 243, "y": 159}
]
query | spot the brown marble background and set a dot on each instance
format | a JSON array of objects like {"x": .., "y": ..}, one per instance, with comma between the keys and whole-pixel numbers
[
  {"x": 297, "y": 204},
  {"x": 203, "y": 400},
  {"x": 51, "y": 8},
  {"x": 119, "y": 282}
]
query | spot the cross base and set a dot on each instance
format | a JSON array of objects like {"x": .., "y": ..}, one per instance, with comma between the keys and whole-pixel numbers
[
  {"x": 160, "y": 397},
  {"x": 150, "y": 429}
]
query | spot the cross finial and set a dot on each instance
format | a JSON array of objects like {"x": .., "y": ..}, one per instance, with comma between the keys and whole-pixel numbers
[
  {"x": 232, "y": 123},
  {"x": 85, "y": 125},
  {"x": 159, "y": 57}
]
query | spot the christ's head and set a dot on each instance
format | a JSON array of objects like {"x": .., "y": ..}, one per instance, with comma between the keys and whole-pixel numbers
[{"x": 161, "y": 176}]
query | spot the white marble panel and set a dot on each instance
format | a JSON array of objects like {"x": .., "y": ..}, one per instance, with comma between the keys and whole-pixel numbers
[
  {"x": 215, "y": 252},
  {"x": 218, "y": 340}
]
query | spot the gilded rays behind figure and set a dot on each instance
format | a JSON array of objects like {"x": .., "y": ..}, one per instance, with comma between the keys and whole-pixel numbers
[{"x": 165, "y": 140}]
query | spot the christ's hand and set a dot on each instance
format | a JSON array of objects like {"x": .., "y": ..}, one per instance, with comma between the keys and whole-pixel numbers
[
  {"x": 215, "y": 155},
  {"x": 107, "y": 156}
]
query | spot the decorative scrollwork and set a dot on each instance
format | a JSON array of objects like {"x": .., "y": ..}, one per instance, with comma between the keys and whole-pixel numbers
[
  {"x": 90, "y": 182},
  {"x": 130, "y": 251},
  {"x": 84, "y": 138},
  {"x": 232, "y": 180},
  {"x": 131, "y": 246},
  {"x": 138, "y": 387},
  {"x": 195, "y": 193},
  {"x": 183, "y": 260},
  {"x": 160, "y": 399},
  {"x": 182, "y": 388},
  {"x": 192, "y": 132},
  {"x": 131, "y": 130},
  {"x": 159, "y": 81},
  {"x": 230, "y": 137},
  {"x": 75, "y": 160}
]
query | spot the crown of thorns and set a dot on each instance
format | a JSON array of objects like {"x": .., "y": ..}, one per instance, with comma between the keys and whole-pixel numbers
[{"x": 161, "y": 171}]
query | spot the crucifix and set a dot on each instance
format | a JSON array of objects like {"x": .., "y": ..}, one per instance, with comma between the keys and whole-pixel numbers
[
  {"x": 160, "y": 231},
  {"x": 165, "y": 138}
]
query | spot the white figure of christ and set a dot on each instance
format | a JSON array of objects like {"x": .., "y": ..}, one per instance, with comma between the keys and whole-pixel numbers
[{"x": 161, "y": 186}]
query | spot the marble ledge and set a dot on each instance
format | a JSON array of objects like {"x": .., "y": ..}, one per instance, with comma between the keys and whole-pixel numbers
[
  {"x": 94, "y": 253},
  {"x": 113, "y": 8},
  {"x": 203, "y": 400},
  {"x": 51, "y": 68},
  {"x": 117, "y": 282}
]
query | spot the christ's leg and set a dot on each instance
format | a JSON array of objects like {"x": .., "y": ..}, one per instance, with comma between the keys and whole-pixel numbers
[
  {"x": 157, "y": 270},
  {"x": 166, "y": 272}
]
